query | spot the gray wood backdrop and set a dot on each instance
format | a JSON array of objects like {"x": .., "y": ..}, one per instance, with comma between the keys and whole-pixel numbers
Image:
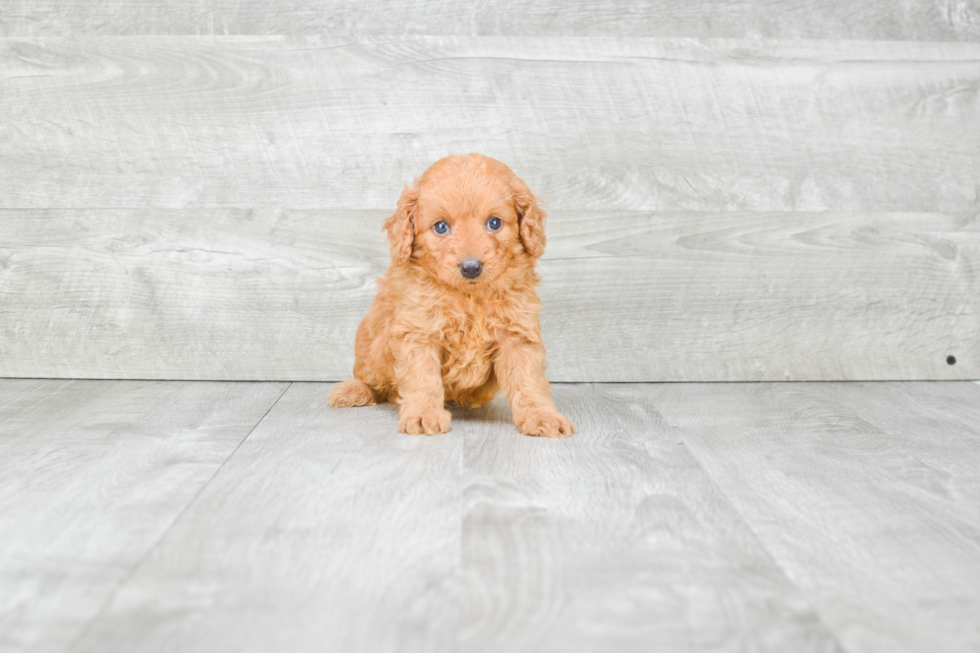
[{"x": 759, "y": 190}]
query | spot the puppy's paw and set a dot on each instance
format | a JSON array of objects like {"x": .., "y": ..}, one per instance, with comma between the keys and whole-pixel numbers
[
  {"x": 546, "y": 423},
  {"x": 351, "y": 393},
  {"x": 429, "y": 422}
]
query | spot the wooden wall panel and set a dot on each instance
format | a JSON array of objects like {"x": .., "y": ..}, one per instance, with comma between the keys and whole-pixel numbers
[
  {"x": 639, "y": 124},
  {"x": 208, "y": 207},
  {"x": 935, "y": 20},
  {"x": 628, "y": 296}
]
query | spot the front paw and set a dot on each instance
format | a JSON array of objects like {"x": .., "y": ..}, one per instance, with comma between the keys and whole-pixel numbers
[
  {"x": 416, "y": 422},
  {"x": 546, "y": 423}
]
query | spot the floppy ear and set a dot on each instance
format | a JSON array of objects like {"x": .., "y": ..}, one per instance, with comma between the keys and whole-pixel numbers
[
  {"x": 401, "y": 226},
  {"x": 531, "y": 217}
]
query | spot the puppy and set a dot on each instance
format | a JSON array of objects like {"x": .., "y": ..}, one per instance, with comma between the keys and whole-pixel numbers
[{"x": 456, "y": 314}]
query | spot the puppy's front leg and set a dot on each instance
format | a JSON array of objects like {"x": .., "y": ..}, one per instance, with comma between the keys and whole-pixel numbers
[
  {"x": 520, "y": 369},
  {"x": 419, "y": 377}
]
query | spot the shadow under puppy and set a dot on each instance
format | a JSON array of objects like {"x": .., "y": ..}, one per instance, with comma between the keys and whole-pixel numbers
[{"x": 456, "y": 314}]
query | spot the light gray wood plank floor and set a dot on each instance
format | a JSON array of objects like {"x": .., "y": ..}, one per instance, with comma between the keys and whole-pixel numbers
[
  {"x": 936, "y": 20},
  {"x": 161, "y": 516},
  {"x": 92, "y": 474},
  {"x": 869, "y": 498}
]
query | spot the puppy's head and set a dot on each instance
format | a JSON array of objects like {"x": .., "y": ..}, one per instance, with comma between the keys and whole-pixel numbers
[{"x": 466, "y": 221}]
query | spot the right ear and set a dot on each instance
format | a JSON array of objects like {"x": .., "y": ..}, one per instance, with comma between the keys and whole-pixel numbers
[{"x": 401, "y": 226}]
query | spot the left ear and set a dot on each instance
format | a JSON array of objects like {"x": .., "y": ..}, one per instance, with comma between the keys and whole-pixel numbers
[
  {"x": 531, "y": 218},
  {"x": 401, "y": 225}
]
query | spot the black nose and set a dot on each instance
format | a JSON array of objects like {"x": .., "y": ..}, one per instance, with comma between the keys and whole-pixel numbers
[{"x": 470, "y": 268}]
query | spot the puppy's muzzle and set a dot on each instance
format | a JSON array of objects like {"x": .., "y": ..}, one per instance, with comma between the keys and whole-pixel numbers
[{"x": 470, "y": 268}]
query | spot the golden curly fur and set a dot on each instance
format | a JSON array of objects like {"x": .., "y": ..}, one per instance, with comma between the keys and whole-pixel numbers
[{"x": 434, "y": 335}]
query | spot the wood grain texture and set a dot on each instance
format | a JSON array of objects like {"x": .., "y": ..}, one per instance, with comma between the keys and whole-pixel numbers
[
  {"x": 327, "y": 531},
  {"x": 612, "y": 540},
  {"x": 681, "y": 517},
  {"x": 628, "y": 296},
  {"x": 935, "y": 20},
  {"x": 590, "y": 123},
  {"x": 93, "y": 474},
  {"x": 866, "y": 495}
]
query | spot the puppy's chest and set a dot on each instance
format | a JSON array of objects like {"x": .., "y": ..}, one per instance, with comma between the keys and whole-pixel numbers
[{"x": 468, "y": 343}]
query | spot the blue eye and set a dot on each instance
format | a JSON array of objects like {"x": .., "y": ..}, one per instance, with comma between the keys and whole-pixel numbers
[
  {"x": 494, "y": 223},
  {"x": 441, "y": 228}
]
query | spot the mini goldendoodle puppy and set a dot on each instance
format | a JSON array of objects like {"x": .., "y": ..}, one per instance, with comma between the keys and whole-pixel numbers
[{"x": 456, "y": 315}]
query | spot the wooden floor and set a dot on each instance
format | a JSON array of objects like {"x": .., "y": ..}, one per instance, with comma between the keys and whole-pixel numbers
[{"x": 201, "y": 516}]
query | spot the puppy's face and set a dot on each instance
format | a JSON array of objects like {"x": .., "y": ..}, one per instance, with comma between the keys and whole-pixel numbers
[
  {"x": 466, "y": 229},
  {"x": 471, "y": 220}
]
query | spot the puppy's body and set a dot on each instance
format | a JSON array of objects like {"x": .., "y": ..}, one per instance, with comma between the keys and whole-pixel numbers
[
  {"x": 437, "y": 333},
  {"x": 467, "y": 330}
]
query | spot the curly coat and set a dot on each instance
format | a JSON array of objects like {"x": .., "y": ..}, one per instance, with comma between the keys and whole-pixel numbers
[{"x": 433, "y": 335}]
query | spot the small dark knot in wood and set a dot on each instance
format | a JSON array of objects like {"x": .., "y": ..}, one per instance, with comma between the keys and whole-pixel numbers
[{"x": 951, "y": 360}]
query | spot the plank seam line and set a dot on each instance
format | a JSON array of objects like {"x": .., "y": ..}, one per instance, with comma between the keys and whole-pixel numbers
[
  {"x": 146, "y": 555},
  {"x": 831, "y": 633}
]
